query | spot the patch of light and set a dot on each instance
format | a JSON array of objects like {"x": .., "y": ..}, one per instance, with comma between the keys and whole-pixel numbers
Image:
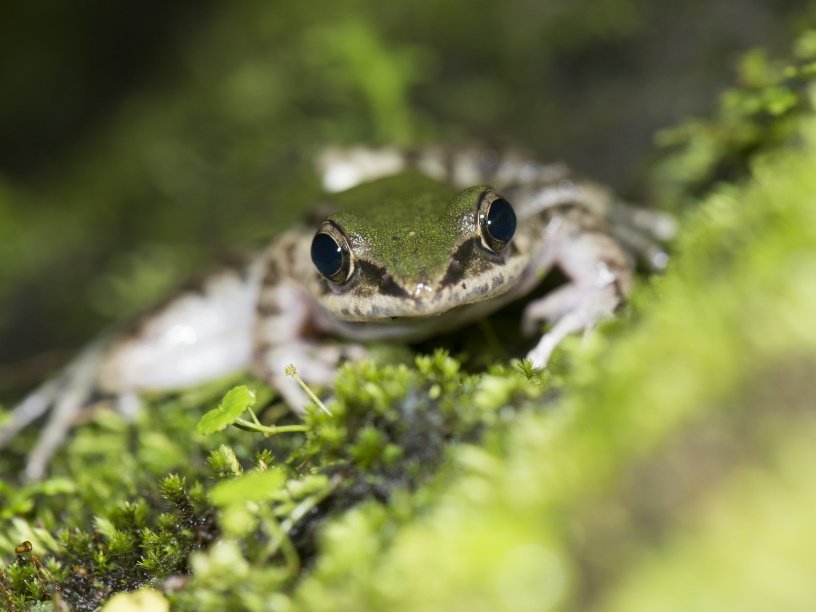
[{"x": 181, "y": 334}]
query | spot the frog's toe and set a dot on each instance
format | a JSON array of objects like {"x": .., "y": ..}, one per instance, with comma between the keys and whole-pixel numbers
[
  {"x": 64, "y": 414},
  {"x": 569, "y": 324},
  {"x": 573, "y": 308},
  {"x": 551, "y": 307},
  {"x": 651, "y": 253},
  {"x": 63, "y": 399},
  {"x": 585, "y": 304},
  {"x": 660, "y": 225},
  {"x": 644, "y": 233},
  {"x": 539, "y": 357},
  {"x": 29, "y": 410}
]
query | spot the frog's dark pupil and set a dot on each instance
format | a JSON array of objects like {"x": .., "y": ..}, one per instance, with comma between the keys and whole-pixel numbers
[
  {"x": 501, "y": 220},
  {"x": 326, "y": 255}
]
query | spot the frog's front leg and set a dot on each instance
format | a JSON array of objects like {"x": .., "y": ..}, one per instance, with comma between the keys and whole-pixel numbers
[
  {"x": 599, "y": 271},
  {"x": 289, "y": 326}
]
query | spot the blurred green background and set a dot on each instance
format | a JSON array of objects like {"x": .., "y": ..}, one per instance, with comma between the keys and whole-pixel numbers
[{"x": 140, "y": 142}]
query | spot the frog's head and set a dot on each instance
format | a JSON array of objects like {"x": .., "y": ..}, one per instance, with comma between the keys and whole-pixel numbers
[{"x": 415, "y": 249}]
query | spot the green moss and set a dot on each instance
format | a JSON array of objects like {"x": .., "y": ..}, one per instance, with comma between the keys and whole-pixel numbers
[{"x": 385, "y": 433}]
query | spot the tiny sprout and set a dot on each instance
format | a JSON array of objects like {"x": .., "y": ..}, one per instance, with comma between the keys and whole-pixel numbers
[
  {"x": 26, "y": 548},
  {"x": 291, "y": 372},
  {"x": 527, "y": 369}
]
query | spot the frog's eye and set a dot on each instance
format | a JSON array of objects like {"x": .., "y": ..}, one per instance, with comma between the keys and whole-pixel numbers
[
  {"x": 331, "y": 254},
  {"x": 497, "y": 221}
]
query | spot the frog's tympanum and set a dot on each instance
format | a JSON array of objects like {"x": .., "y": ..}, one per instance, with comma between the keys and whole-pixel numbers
[{"x": 413, "y": 244}]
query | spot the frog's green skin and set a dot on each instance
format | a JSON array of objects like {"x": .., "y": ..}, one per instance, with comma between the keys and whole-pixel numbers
[{"x": 419, "y": 266}]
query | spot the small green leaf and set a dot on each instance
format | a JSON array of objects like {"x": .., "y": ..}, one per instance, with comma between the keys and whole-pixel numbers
[
  {"x": 228, "y": 411},
  {"x": 254, "y": 486}
]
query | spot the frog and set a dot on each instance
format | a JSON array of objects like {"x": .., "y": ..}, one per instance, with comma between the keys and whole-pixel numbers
[{"x": 409, "y": 244}]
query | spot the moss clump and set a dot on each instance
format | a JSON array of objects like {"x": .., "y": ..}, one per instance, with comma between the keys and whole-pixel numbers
[
  {"x": 393, "y": 423},
  {"x": 255, "y": 501},
  {"x": 130, "y": 545}
]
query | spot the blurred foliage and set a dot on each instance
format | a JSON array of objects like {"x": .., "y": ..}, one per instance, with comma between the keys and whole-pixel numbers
[
  {"x": 664, "y": 464},
  {"x": 753, "y": 120}
]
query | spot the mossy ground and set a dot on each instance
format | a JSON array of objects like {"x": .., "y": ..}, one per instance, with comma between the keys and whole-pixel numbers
[{"x": 666, "y": 462}]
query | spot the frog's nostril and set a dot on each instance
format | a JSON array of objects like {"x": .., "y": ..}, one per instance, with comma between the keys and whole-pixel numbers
[{"x": 422, "y": 289}]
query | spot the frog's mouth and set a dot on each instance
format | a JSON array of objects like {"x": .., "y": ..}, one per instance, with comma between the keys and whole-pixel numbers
[
  {"x": 425, "y": 300},
  {"x": 415, "y": 327}
]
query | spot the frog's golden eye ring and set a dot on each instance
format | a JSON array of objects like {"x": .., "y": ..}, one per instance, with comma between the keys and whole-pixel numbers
[
  {"x": 331, "y": 254},
  {"x": 497, "y": 221}
]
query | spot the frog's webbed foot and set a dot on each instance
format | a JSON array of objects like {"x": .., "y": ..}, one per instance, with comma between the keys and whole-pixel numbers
[
  {"x": 573, "y": 308},
  {"x": 600, "y": 274},
  {"x": 65, "y": 398}
]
